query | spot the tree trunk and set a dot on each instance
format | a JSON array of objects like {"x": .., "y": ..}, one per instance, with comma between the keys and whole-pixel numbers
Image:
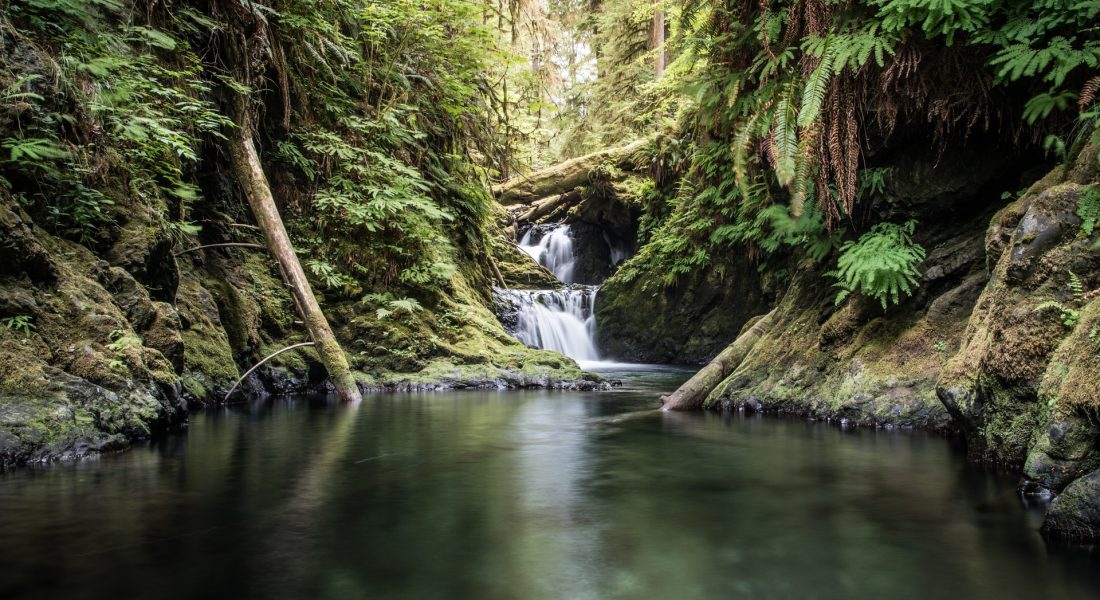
[
  {"x": 690, "y": 395},
  {"x": 249, "y": 172},
  {"x": 658, "y": 39},
  {"x": 564, "y": 177}
]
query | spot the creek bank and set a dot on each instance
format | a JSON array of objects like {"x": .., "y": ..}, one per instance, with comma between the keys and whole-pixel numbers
[
  {"x": 111, "y": 355},
  {"x": 999, "y": 343}
]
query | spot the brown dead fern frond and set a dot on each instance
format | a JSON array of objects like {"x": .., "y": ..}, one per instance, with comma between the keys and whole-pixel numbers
[{"x": 1089, "y": 91}]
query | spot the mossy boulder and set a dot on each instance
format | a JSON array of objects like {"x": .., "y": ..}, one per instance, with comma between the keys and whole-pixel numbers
[
  {"x": 1075, "y": 513},
  {"x": 79, "y": 377}
]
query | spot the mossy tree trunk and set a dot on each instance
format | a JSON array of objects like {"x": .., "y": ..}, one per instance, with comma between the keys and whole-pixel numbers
[
  {"x": 692, "y": 394},
  {"x": 245, "y": 162},
  {"x": 564, "y": 177}
]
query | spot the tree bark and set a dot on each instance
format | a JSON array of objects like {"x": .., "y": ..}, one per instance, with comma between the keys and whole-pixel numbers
[
  {"x": 658, "y": 38},
  {"x": 547, "y": 206},
  {"x": 690, "y": 395},
  {"x": 249, "y": 172},
  {"x": 564, "y": 177}
]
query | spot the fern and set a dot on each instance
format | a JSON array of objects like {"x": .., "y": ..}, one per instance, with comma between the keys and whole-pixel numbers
[
  {"x": 813, "y": 94},
  {"x": 882, "y": 264},
  {"x": 1076, "y": 287},
  {"x": 784, "y": 137},
  {"x": 1068, "y": 316},
  {"x": 1088, "y": 209}
]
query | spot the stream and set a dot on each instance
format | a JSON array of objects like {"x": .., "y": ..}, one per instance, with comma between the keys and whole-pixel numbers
[{"x": 525, "y": 494}]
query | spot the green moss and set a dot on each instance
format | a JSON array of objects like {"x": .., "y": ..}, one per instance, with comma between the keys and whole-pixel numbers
[{"x": 208, "y": 357}]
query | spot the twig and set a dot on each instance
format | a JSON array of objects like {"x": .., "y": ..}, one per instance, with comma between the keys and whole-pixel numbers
[{"x": 257, "y": 366}]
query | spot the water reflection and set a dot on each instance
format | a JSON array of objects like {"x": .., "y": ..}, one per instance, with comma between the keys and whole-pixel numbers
[{"x": 532, "y": 494}]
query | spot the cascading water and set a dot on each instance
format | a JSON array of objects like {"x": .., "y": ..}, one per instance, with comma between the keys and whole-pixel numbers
[
  {"x": 561, "y": 320},
  {"x": 556, "y": 320},
  {"x": 554, "y": 250}
]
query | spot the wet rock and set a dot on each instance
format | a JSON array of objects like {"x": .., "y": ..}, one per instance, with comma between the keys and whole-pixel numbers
[
  {"x": 144, "y": 249},
  {"x": 1075, "y": 513}
]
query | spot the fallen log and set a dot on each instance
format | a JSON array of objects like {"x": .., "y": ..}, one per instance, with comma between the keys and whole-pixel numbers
[
  {"x": 691, "y": 394},
  {"x": 566, "y": 176},
  {"x": 547, "y": 206}
]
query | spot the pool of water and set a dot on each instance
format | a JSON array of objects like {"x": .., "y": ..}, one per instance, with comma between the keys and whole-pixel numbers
[{"x": 526, "y": 494}]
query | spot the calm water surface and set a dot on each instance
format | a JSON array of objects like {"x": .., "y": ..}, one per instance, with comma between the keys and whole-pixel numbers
[{"x": 528, "y": 494}]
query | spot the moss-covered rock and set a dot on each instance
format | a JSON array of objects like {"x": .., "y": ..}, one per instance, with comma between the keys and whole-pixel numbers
[
  {"x": 856, "y": 364},
  {"x": 992, "y": 385},
  {"x": 639, "y": 320},
  {"x": 78, "y": 377},
  {"x": 1075, "y": 513}
]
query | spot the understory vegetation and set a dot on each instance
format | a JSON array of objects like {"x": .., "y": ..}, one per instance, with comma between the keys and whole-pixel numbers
[{"x": 773, "y": 116}]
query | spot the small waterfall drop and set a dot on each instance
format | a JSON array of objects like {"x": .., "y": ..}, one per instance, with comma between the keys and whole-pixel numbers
[
  {"x": 556, "y": 320},
  {"x": 562, "y": 320},
  {"x": 554, "y": 250}
]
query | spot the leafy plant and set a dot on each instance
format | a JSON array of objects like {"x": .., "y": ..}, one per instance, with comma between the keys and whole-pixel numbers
[
  {"x": 121, "y": 341},
  {"x": 882, "y": 264},
  {"x": 1069, "y": 315},
  {"x": 1088, "y": 209},
  {"x": 401, "y": 305},
  {"x": 21, "y": 323}
]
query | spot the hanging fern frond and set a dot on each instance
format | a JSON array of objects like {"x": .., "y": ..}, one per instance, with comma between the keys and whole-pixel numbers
[
  {"x": 882, "y": 264},
  {"x": 813, "y": 95},
  {"x": 784, "y": 137}
]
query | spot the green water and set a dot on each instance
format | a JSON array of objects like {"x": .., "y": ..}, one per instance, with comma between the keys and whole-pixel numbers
[{"x": 525, "y": 494}]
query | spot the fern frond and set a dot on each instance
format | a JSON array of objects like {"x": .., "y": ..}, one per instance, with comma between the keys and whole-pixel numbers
[
  {"x": 813, "y": 95},
  {"x": 784, "y": 138}
]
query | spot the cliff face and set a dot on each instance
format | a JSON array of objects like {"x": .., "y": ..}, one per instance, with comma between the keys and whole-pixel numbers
[
  {"x": 1025, "y": 386},
  {"x": 861, "y": 363},
  {"x": 641, "y": 321}
]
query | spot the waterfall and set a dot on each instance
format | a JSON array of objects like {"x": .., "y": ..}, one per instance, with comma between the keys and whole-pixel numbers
[
  {"x": 553, "y": 250},
  {"x": 561, "y": 320},
  {"x": 555, "y": 320}
]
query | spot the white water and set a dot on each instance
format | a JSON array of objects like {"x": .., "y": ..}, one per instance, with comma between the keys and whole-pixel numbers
[
  {"x": 554, "y": 250},
  {"x": 557, "y": 320},
  {"x": 551, "y": 319}
]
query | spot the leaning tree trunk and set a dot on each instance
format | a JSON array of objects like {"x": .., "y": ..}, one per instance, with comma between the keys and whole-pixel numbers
[
  {"x": 690, "y": 395},
  {"x": 564, "y": 177},
  {"x": 250, "y": 174}
]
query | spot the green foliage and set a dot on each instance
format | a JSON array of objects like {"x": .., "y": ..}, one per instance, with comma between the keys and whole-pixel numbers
[
  {"x": 21, "y": 323},
  {"x": 882, "y": 264},
  {"x": 1088, "y": 209},
  {"x": 1067, "y": 315},
  {"x": 111, "y": 115},
  {"x": 121, "y": 342},
  {"x": 807, "y": 230},
  {"x": 383, "y": 172},
  {"x": 389, "y": 306}
]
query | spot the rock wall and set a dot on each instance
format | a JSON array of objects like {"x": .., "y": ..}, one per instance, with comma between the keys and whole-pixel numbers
[
  {"x": 1025, "y": 386},
  {"x": 859, "y": 363},
  {"x": 638, "y": 320}
]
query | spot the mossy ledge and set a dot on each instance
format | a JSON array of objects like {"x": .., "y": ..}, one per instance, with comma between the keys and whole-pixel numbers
[{"x": 103, "y": 362}]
